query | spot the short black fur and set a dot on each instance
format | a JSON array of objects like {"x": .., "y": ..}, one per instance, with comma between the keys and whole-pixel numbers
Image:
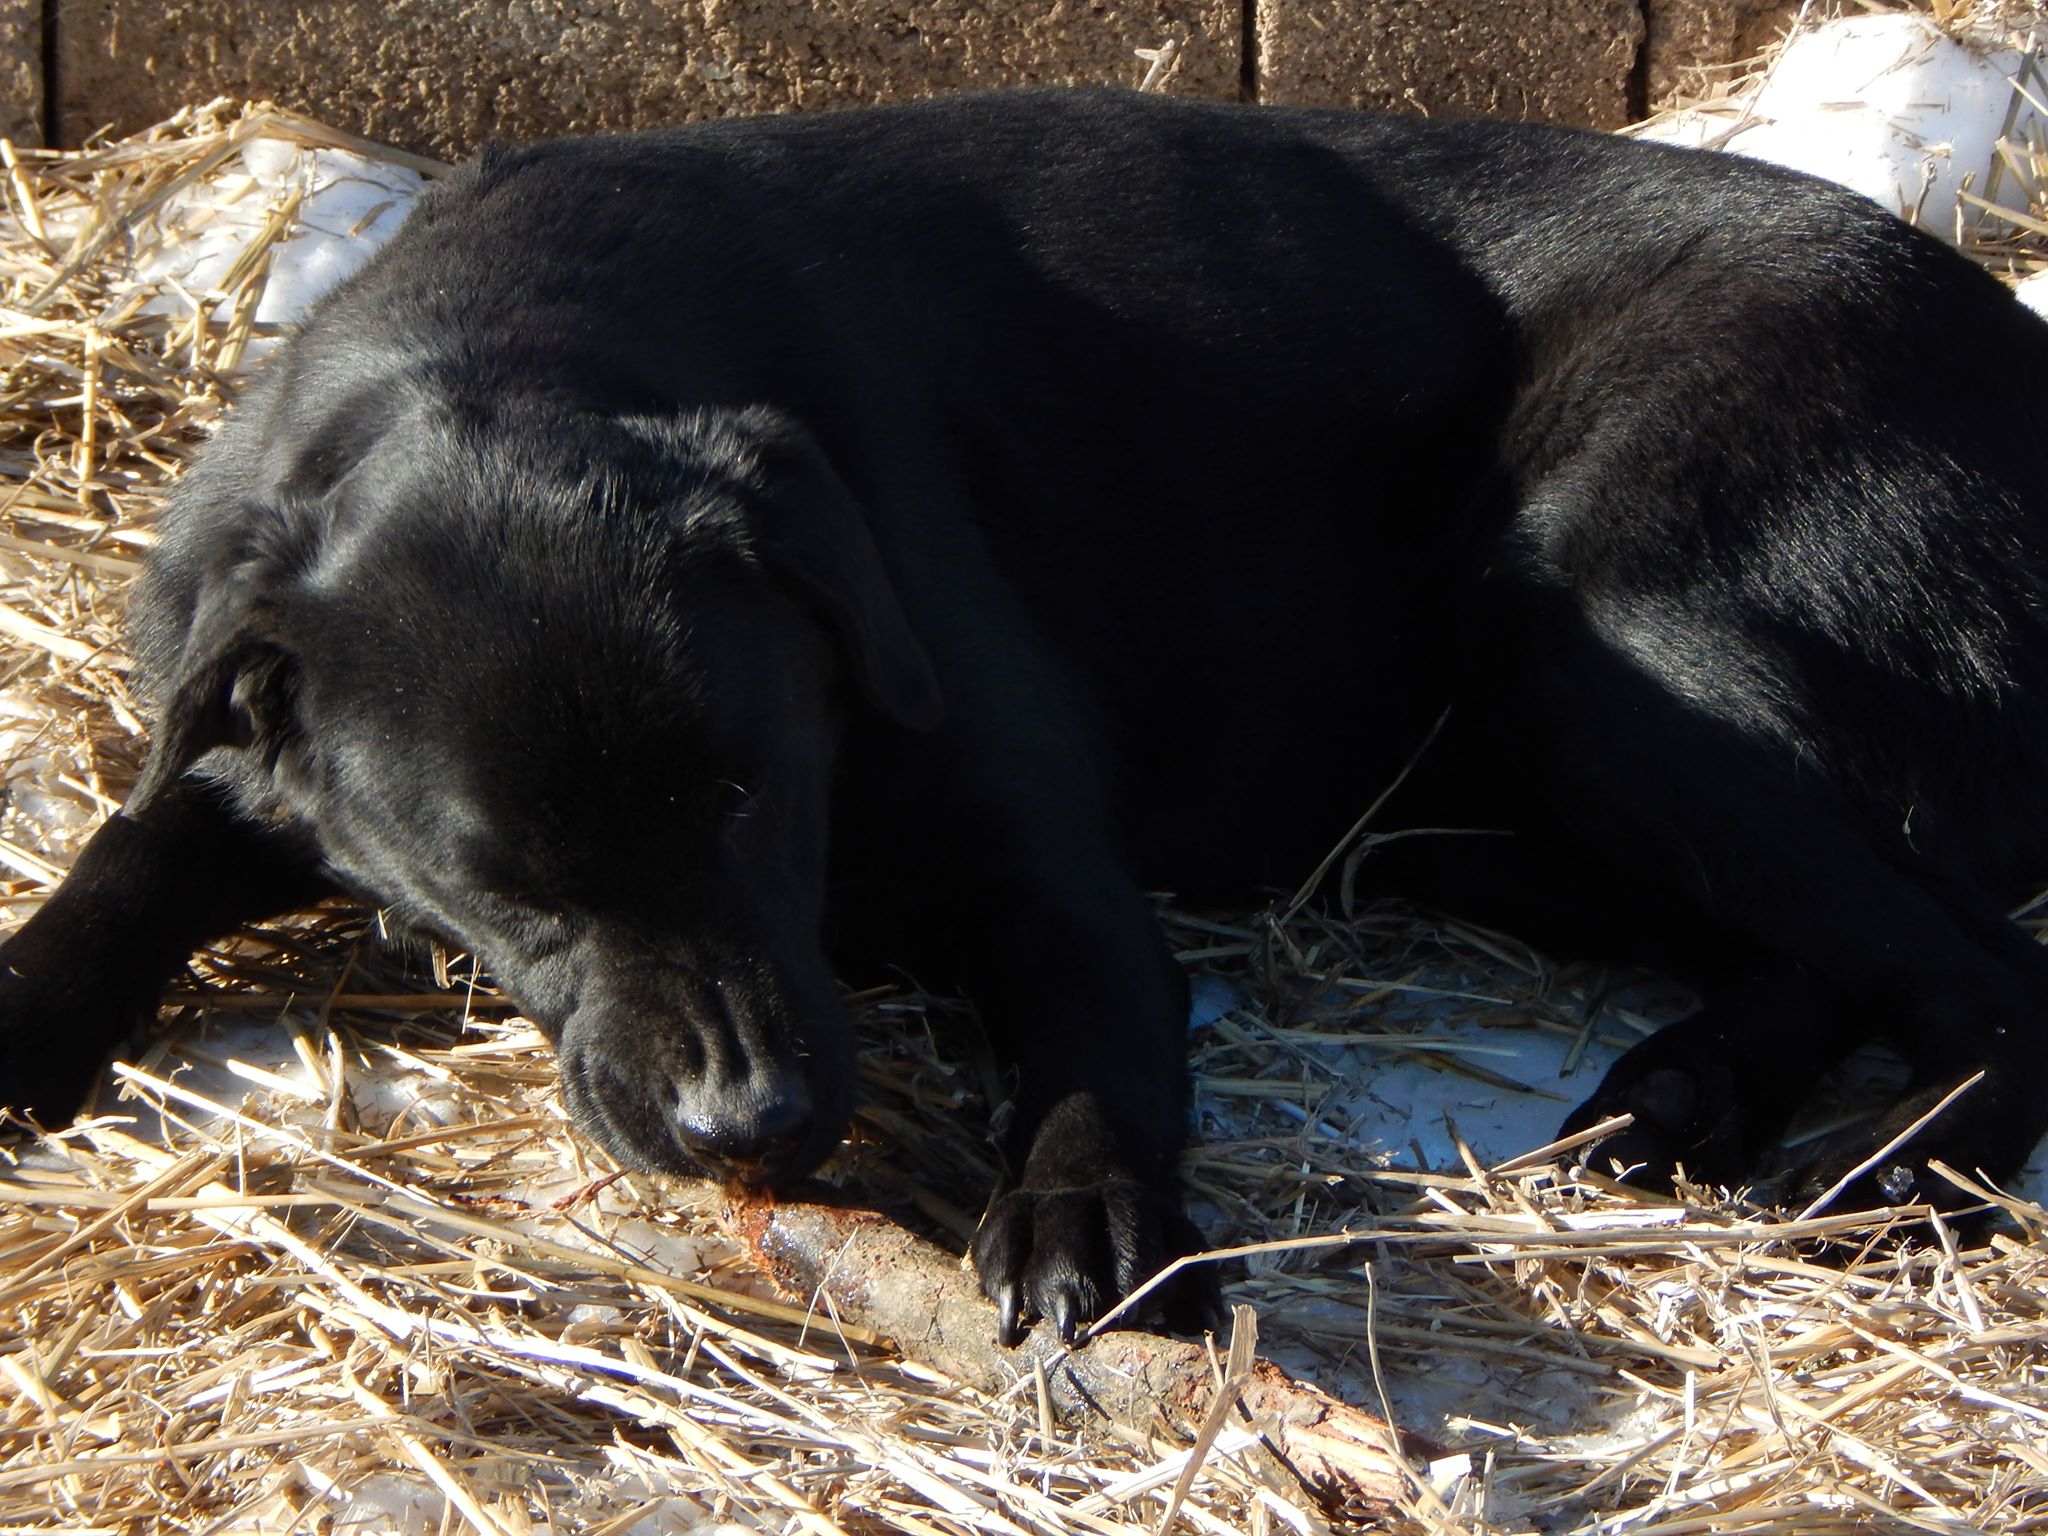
[{"x": 911, "y": 536}]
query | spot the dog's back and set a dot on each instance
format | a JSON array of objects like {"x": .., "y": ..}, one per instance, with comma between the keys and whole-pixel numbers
[{"x": 1218, "y": 381}]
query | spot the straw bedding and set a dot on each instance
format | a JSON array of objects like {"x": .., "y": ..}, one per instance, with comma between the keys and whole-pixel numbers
[{"x": 354, "y": 1274}]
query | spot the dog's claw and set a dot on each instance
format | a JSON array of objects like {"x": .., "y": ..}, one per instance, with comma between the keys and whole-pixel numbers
[
  {"x": 1010, "y": 1326},
  {"x": 1068, "y": 1254},
  {"x": 1066, "y": 1314}
]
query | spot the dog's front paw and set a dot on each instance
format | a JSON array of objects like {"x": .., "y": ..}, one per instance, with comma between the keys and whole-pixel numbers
[
  {"x": 53, "y": 1043},
  {"x": 1069, "y": 1254},
  {"x": 42, "y": 1082},
  {"x": 1080, "y": 1229}
]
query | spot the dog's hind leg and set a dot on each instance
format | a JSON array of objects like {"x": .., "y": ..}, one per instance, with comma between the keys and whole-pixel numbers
[
  {"x": 1690, "y": 1087},
  {"x": 1646, "y": 763},
  {"x": 1713, "y": 1092},
  {"x": 1987, "y": 1021},
  {"x": 87, "y": 969}
]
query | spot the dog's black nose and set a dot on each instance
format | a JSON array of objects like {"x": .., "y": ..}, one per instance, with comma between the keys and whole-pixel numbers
[{"x": 755, "y": 1135}]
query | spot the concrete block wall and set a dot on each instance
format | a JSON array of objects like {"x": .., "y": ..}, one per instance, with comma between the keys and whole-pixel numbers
[
  {"x": 1686, "y": 41},
  {"x": 21, "y": 71},
  {"x": 442, "y": 76},
  {"x": 1561, "y": 61}
]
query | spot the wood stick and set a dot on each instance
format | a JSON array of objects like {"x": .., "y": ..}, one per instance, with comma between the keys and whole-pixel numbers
[{"x": 860, "y": 1266}]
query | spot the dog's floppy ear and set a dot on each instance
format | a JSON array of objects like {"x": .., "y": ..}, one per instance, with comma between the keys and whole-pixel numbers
[
  {"x": 805, "y": 527},
  {"x": 815, "y": 537},
  {"x": 230, "y": 683}
]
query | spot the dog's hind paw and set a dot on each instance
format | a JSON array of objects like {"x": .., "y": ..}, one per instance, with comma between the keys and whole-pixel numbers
[
  {"x": 1683, "y": 1091},
  {"x": 1070, "y": 1254},
  {"x": 1888, "y": 1161}
]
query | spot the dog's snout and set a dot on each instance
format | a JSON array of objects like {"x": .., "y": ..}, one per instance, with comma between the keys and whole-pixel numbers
[
  {"x": 740, "y": 1072},
  {"x": 754, "y": 1133}
]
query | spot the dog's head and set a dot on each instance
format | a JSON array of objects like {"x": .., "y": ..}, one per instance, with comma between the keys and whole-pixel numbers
[{"x": 565, "y": 687}]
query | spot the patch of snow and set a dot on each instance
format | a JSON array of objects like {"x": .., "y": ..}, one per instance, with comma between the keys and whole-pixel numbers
[
  {"x": 1888, "y": 105},
  {"x": 1209, "y": 999},
  {"x": 2032, "y": 1183},
  {"x": 388, "y": 1504},
  {"x": 348, "y": 206},
  {"x": 1402, "y": 1094},
  {"x": 1412, "y": 1098}
]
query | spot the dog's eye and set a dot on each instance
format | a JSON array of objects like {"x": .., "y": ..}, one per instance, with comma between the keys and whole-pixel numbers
[{"x": 709, "y": 806}]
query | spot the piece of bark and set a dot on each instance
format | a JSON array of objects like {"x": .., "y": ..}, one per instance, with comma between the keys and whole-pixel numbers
[{"x": 874, "y": 1273}]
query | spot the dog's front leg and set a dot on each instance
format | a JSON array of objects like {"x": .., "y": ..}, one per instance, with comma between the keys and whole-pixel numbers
[
  {"x": 1080, "y": 996},
  {"x": 87, "y": 969}
]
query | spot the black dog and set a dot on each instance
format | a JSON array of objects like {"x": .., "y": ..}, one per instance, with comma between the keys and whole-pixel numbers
[{"x": 935, "y": 527}]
